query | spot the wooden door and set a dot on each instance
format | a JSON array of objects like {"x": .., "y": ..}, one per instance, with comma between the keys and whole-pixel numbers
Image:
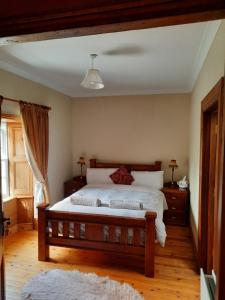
[{"x": 211, "y": 120}]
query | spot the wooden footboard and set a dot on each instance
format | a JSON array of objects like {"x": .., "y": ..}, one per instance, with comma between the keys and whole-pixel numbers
[{"x": 100, "y": 232}]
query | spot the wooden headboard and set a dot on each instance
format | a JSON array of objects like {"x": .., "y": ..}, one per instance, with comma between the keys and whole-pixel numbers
[{"x": 131, "y": 167}]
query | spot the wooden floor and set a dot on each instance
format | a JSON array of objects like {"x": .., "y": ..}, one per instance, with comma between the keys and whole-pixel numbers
[{"x": 175, "y": 276}]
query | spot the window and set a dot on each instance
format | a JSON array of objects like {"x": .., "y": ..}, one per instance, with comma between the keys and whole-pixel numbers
[
  {"x": 17, "y": 178},
  {"x": 4, "y": 160}
]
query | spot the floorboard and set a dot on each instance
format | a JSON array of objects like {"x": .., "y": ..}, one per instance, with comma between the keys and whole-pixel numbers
[{"x": 175, "y": 274}]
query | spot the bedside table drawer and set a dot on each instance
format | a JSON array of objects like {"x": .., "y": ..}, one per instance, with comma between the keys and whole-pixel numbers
[
  {"x": 176, "y": 201},
  {"x": 73, "y": 189},
  {"x": 175, "y": 205},
  {"x": 175, "y": 196},
  {"x": 178, "y": 206},
  {"x": 175, "y": 218},
  {"x": 73, "y": 186},
  {"x": 70, "y": 190}
]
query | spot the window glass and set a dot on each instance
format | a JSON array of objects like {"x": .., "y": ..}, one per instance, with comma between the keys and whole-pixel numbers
[{"x": 4, "y": 160}]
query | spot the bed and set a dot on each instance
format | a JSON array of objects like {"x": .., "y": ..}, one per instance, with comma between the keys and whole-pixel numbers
[{"x": 130, "y": 233}]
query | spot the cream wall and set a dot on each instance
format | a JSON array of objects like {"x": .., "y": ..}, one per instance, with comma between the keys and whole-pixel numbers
[
  {"x": 127, "y": 128},
  {"x": 212, "y": 71},
  {"x": 60, "y": 152},
  {"x": 132, "y": 129}
]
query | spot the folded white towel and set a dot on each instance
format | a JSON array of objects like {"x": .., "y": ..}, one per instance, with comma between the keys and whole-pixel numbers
[
  {"x": 86, "y": 201},
  {"x": 126, "y": 204}
]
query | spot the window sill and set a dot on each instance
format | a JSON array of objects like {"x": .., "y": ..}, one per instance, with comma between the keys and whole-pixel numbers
[
  {"x": 16, "y": 197},
  {"x": 8, "y": 199}
]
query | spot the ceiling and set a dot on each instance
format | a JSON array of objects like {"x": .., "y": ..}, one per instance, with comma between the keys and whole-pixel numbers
[{"x": 138, "y": 62}]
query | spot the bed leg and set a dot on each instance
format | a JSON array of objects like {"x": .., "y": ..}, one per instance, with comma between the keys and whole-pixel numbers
[
  {"x": 43, "y": 247},
  {"x": 150, "y": 244}
]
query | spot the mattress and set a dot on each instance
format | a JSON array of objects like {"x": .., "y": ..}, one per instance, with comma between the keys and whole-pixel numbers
[{"x": 152, "y": 199}]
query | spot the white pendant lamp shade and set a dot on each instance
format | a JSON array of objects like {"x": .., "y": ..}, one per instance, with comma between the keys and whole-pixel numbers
[{"x": 92, "y": 79}]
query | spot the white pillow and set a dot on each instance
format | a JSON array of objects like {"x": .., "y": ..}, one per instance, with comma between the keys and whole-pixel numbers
[
  {"x": 99, "y": 175},
  {"x": 150, "y": 179}
]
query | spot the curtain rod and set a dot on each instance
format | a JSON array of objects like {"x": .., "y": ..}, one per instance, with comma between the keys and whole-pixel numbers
[{"x": 18, "y": 101}]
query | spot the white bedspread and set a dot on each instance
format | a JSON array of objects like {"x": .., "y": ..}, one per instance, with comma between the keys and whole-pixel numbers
[{"x": 152, "y": 199}]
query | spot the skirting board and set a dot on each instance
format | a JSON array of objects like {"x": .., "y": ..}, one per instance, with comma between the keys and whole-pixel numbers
[
  {"x": 35, "y": 223},
  {"x": 19, "y": 227},
  {"x": 12, "y": 229},
  {"x": 25, "y": 226}
]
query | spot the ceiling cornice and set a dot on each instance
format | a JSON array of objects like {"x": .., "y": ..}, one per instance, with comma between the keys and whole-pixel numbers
[
  {"x": 205, "y": 45},
  {"x": 134, "y": 93}
]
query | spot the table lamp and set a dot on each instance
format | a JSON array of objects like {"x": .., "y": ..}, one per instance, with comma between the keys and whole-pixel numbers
[
  {"x": 173, "y": 165},
  {"x": 81, "y": 162}
]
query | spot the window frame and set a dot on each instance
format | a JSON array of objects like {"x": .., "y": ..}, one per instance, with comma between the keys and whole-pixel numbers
[
  {"x": 5, "y": 160},
  {"x": 12, "y": 120}
]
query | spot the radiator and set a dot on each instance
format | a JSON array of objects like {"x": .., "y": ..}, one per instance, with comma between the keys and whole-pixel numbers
[{"x": 207, "y": 287}]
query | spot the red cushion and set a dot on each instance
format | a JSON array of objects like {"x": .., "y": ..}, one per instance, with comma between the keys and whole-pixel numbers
[{"x": 122, "y": 176}]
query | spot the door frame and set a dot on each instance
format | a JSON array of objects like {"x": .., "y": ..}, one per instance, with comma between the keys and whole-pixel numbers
[
  {"x": 220, "y": 286},
  {"x": 213, "y": 100}
]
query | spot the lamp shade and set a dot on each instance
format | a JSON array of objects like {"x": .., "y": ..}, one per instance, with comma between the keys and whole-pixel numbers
[
  {"x": 92, "y": 80},
  {"x": 81, "y": 161},
  {"x": 173, "y": 164}
]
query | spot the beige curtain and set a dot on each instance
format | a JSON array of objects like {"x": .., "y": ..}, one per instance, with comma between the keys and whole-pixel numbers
[{"x": 35, "y": 125}]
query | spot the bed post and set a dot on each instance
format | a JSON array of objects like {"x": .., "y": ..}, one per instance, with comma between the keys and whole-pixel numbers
[
  {"x": 43, "y": 248},
  {"x": 150, "y": 244},
  {"x": 158, "y": 165},
  {"x": 93, "y": 163}
]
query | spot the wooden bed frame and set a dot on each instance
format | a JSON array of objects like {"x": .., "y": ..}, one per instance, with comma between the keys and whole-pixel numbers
[{"x": 95, "y": 225}]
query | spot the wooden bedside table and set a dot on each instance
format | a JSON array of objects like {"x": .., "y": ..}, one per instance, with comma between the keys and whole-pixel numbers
[
  {"x": 178, "y": 206},
  {"x": 74, "y": 185}
]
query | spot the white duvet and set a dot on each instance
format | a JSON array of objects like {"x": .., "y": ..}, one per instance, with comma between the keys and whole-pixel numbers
[{"x": 152, "y": 199}]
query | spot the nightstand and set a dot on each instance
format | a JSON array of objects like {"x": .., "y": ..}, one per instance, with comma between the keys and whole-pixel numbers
[
  {"x": 74, "y": 185},
  {"x": 178, "y": 206}
]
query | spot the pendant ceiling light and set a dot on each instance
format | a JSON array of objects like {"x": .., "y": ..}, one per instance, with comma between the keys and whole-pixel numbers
[{"x": 92, "y": 79}]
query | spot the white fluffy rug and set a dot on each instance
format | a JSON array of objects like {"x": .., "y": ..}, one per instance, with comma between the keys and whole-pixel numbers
[{"x": 74, "y": 285}]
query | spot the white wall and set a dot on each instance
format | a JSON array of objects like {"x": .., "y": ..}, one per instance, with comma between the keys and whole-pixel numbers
[
  {"x": 212, "y": 71},
  {"x": 132, "y": 129},
  {"x": 60, "y": 152}
]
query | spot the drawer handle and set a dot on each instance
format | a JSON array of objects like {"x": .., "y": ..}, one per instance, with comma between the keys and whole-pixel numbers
[
  {"x": 173, "y": 208},
  {"x": 173, "y": 218},
  {"x": 74, "y": 190},
  {"x": 174, "y": 198}
]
